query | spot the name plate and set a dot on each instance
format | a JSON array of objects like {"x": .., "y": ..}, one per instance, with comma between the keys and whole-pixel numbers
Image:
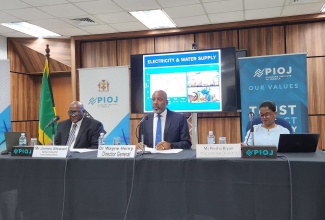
[
  {"x": 50, "y": 151},
  {"x": 218, "y": 150},
  {"x": 22, "y": 151},
  {"x": 259, "y": 152},
  {"x": 116, "y": 151}
]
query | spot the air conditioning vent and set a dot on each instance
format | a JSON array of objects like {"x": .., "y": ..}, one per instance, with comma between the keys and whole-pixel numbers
[
  {"x": 83, "y": 21},
  {"x": 302, "y": 1}
]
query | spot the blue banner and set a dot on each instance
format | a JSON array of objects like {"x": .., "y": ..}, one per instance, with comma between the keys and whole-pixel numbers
[{"x": 278, "y": 78}]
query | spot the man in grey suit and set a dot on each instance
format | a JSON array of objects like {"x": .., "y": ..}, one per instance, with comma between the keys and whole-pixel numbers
[
  {"x": 78, "y": 131},
  {"x": 174, "y": 128}
]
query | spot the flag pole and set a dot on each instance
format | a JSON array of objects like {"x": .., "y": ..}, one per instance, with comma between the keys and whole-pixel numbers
[
  {"x": 47, "y": 112},
  {"x": 47, "y": 55}
]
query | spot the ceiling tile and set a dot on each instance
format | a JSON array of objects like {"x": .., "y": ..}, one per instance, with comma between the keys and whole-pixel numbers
[
  {"x": 302, "y": 9},
  {"x": 12, "y": 4},
  {"x": 212, "y": 0},
  {"x": 63, "y": 10},
  {"x": 119, "y": 17},
  {"x": 298, "y": 2},
  {"x": 70, "y": 31},
  {"x": 27, "y": 14},
  {"x": 192, "y": 21},
  {"x": 58, "y": 14},
  {"x": 185, "y": 11},
  {"x": 99, "y": 29},
  {"x": 227, "y": 17},
  {"x": 253, "y": 4},
  {"x": 52, "y": 23},
  {"x": 99, "y": 7},
  {"x": 137, "y": 5},
  {"x": 263, "y": 13},
  {"x": 223, "y": 6},
  {"x": 79, "y": 1},
  {"x": 173, "y": 3},
  {"x": 5, "y": 18},
  {"x": 47, "y": 2},
  {"x": 4, "y": 29},
  {"x": 16, "y": 34},
  {"x": 131, "y": 26}
]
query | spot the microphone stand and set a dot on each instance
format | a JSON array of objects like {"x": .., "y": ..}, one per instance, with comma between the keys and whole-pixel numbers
[
  {"x": 252, "y": 132},
  {"x": 142, "y": 140},
  {"x": 53, "y": 134}
]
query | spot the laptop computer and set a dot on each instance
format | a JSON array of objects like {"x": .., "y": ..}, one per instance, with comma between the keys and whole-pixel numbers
[
  {"x": 298, "y": 142},
  {"x": 12, "y": 139}
]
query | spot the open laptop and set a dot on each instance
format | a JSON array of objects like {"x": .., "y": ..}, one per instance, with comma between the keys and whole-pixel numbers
[
  {"x": 298, "y": 142},
  {"x": 12, "y": 139}
]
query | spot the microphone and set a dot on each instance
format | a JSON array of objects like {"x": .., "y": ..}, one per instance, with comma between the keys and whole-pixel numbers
[
  {"x": 143, "y": 119},
  {"x": 251, "y": 116},
  {"x": 56, "y": 118},
  {"x": 251, "y": 130}
]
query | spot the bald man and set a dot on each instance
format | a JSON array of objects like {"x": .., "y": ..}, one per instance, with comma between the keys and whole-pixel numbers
[
  {"x": 174, "y": 128},
  {"x": 78, "y": 131}
]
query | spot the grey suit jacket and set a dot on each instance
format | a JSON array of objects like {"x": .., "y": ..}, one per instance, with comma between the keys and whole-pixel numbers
[
  {"x": 176, "y": 131},
  {"x": 87, "y": 136}
]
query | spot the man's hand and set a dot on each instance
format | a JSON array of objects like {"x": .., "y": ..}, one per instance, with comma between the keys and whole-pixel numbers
[
  {"x": 164, "y": 145},
  {"x": 139, "y": 146}
]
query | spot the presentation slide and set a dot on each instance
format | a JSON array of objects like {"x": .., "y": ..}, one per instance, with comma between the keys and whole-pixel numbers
[{"x": 192, "y": 80}]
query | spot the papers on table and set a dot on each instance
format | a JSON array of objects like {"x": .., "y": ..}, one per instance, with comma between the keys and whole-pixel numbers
[
  {"x": 155, "y": 151},
  {"x": 81, "y": 150}
]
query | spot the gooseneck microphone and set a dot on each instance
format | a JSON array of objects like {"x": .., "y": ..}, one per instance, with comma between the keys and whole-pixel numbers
[
  {"x": 141, "y": 135},
  {"x": 251, "y": 116},
  {"x": 56, "y": 118},
  {"x": 251, "y": 130},
  {"x": 143, "y": 119}
]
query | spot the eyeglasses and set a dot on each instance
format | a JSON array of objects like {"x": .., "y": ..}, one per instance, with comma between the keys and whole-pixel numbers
[
  {"x": 267, "y": 115},
  {"x": 74, "y": 113}
]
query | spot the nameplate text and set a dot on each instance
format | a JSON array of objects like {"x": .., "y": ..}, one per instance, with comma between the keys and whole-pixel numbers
[
  {"x": 259, "y": 152},
  {"x": 218, "y": 150},
  {"x": 116, "y": 151},
  {"x": 26, "y": 151},
  {"x": 55, "y": 151}
]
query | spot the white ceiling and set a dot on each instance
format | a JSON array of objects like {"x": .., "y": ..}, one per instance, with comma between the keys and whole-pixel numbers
[{"x": 111, "y": 16}]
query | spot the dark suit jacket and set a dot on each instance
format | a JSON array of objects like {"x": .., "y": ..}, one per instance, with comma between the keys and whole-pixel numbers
[
  {"x": 176, "y": 131},
  {"x": 87, "y": 136}
]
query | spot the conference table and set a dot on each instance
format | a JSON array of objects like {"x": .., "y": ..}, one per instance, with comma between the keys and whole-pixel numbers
[{"x": 163, "y": 187}]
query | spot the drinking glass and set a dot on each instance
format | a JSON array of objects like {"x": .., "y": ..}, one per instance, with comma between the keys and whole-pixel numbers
[
  {"x": 116, "y": 140},
  {"x": 222, "y": 140}
]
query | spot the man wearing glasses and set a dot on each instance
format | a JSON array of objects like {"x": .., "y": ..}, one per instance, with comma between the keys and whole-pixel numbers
[
  {"x": 268, "y": 132},
  {"x": 78, "y": 131}
]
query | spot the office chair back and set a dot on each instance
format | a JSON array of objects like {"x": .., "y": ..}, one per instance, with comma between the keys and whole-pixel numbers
[{"x": 279, "y": 121}]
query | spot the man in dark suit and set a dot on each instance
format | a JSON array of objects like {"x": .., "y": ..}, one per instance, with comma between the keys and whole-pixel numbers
[
  {"x": 78, "y": 131},
  {"x": 174, "y": 128}
]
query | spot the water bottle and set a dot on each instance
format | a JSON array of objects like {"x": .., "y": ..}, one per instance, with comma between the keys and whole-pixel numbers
[
  {"x": 101, "y": 139},
  {"x": 211, "y": 138},
  {"x": 22, "y": 140}
]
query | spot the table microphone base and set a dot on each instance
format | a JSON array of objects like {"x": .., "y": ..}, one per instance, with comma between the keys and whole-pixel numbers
[{"x": 139, "y": 153}]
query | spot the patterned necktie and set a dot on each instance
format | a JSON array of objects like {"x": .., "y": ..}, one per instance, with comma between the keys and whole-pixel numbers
[
  {"x": 158, "y": 131},
  {"x": 71, "y": 134}
]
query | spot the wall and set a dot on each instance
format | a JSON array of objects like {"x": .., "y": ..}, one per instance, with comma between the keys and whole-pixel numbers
[
  {"x": 267, "y": 37},
  {"x": 3, "y": 48}
]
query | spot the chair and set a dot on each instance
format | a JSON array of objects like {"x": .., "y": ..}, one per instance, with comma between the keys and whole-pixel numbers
[{"x": 279, "y": 121}]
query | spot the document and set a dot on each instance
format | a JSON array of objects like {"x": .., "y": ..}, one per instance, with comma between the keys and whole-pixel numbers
[
  {"x": 81, "y": 150},
  {"x": 155, "y": 151}
]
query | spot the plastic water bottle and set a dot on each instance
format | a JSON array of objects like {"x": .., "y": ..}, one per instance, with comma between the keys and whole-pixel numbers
[
  {"x": 211, "y": 138},
  {"x": 22, "y": 140},
  {"x": 101, "y": 139}
]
